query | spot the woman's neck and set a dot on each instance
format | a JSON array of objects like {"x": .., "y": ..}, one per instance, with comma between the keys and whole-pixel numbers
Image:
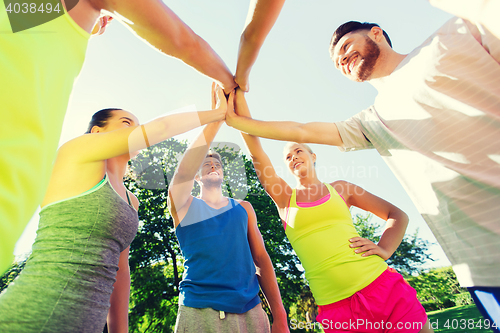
[
  {"x": 307, "y": 182},
  {"x": 116, "y": 168}
]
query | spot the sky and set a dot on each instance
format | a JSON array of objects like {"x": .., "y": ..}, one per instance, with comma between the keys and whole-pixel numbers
[{"x": 293, "y": 79}]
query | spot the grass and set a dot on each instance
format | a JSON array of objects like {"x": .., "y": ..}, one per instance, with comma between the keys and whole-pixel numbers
[{"x": 466, "y": 319}]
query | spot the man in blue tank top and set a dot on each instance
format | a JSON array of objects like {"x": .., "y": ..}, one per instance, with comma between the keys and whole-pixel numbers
[{"x": 225, "y": 256}]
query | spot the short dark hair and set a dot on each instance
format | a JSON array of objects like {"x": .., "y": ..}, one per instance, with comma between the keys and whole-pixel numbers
[
  {"x": 215, "y": 155},
  {"x": 353, "y": 26},
  {"x": 100, "y": 118}
]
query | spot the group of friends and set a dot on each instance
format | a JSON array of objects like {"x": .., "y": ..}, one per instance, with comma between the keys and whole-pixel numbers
[{"x": 435, "y": 121}]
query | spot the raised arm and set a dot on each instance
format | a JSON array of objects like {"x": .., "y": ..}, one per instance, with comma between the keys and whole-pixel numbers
[
  {"x": 154, "y": 22},
  {"x": 314, "y": 132},
  {"x": 395, "y": 227},
  {"x": 101, "y": 146},
  {"x": 265, "y": 272},
  {"x": 260, "y": 19},
  {"x": 179, "y": 191},
  {"x": 274, "y": 185}
]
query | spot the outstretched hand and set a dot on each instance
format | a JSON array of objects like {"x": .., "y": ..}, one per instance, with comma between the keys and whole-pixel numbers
[
  {"x": 366, "y": 248},
  {"x": 219, "y": 101},
  {"x": 240, "y": 108},
  {"x": 242, "y": 80}
]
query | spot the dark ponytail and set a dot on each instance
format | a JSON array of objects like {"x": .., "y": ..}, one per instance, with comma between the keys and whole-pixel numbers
[{"x": 100, "y": 118}]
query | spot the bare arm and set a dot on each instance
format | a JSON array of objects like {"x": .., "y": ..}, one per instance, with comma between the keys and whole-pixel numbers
[
  {"x": 102, "y": 146},
  {"x": 274, "y": 185},
  {"x": 158, "y": 25},
  {"x": 261, "y": 17},
  {"x": 314, "y": 132},
  {"x": 395, "y": 228},
  {"x": 265, "y": 272},
  {"x": 118, "y": 311},
  {"x": 180, "y": 188}
]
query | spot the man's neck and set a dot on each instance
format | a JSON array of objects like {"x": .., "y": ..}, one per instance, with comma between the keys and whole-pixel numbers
[
  {"x": 213, "y": 196},
  {"x": 387, "y": 63}
]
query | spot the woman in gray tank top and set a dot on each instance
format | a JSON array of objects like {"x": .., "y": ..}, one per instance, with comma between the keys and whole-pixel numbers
[{"x": 77, "y": 277}]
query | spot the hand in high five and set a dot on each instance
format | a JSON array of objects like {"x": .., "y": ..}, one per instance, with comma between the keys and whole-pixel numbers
[
  {"x": 240, "y": 108},
  {"x": 219, "y": 101}
]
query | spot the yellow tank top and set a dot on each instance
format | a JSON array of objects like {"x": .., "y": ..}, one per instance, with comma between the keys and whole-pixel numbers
[
  {"x": 37, "y": 69},
  {"x": 320, "y": 237}
]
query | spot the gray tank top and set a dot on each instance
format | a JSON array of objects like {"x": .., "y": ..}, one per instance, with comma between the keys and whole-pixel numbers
[{"x": 69, "y": 277}]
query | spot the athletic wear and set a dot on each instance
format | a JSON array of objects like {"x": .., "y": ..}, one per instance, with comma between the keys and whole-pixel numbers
[
  {"x": 68, "y": 279},
  {"x": 38, "y": 67},
  {"x": 320, "y": 237},
  {"x": 219, "y": 272},
  {"x": 388, "y": 304},
  {"x": 209, "y": 320}
]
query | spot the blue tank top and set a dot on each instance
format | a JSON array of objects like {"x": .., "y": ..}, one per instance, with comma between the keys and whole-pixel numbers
[{"x": 219, "y": 272}]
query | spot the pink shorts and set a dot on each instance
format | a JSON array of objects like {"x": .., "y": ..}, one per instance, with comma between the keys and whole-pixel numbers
[{"x": 388, "y": 304}]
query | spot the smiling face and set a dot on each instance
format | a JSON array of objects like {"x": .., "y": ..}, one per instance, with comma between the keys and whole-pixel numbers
[
  {"x": 211, "y": 173},
  {"x": 356, "y": 55},
  {"x": 300, "y": 159}
]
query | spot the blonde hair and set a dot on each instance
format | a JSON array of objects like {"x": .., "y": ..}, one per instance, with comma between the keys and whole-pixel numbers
[{"x": 290, "y": 144}]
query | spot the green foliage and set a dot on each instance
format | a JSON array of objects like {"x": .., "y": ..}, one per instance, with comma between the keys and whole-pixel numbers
[
  {"x": 439, "y": 289},
  {"x": 11, "y": 274},
  {"x": 155, "y": 256},
  {"x": 408, "y": 257},
  {"x": 459, "y": 319}
]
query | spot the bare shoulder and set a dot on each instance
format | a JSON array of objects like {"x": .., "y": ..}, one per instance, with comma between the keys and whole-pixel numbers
[
  {"x": 341, "y": 185},
  {"x": 247, "y": 205},
  {"x": 344, "y": 188}
]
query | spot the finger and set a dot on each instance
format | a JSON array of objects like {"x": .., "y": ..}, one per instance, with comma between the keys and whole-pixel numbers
[
  {"x": 360, "y": 242},
  {"x": 221, "y": 98},
  {"x": 214, "y": 98},
  {"x": 369, "y": 253},
  {"x": 354, "y": 239},
  {"x": 230, "y": 101},
  {"x": 364, "y": 247}
]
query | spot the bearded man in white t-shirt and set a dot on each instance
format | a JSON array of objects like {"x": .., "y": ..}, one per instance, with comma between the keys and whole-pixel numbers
[{"x": 436, "y": 123}]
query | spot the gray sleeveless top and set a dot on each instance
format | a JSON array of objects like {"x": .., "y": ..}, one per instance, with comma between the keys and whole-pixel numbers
[{"x": 69, "y": 277}]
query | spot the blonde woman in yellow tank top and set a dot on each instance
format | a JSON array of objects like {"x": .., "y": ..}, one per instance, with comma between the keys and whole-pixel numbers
[{"x": 351, "y": 283}]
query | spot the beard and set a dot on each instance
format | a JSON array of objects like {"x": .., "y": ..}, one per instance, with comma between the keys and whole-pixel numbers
[
  {"x": 212, "y": 182},
  {"x": 370, "y": 57}
]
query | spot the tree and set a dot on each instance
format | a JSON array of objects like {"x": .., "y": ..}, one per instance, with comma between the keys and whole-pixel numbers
[
  {"x": 410, "y": 254},
  {"x": 155, "y": 257},
  {"x": 439, "y": 289}
]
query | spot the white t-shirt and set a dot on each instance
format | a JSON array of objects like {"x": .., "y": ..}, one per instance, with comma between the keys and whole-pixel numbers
[{"x": 436, "y": 123}]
